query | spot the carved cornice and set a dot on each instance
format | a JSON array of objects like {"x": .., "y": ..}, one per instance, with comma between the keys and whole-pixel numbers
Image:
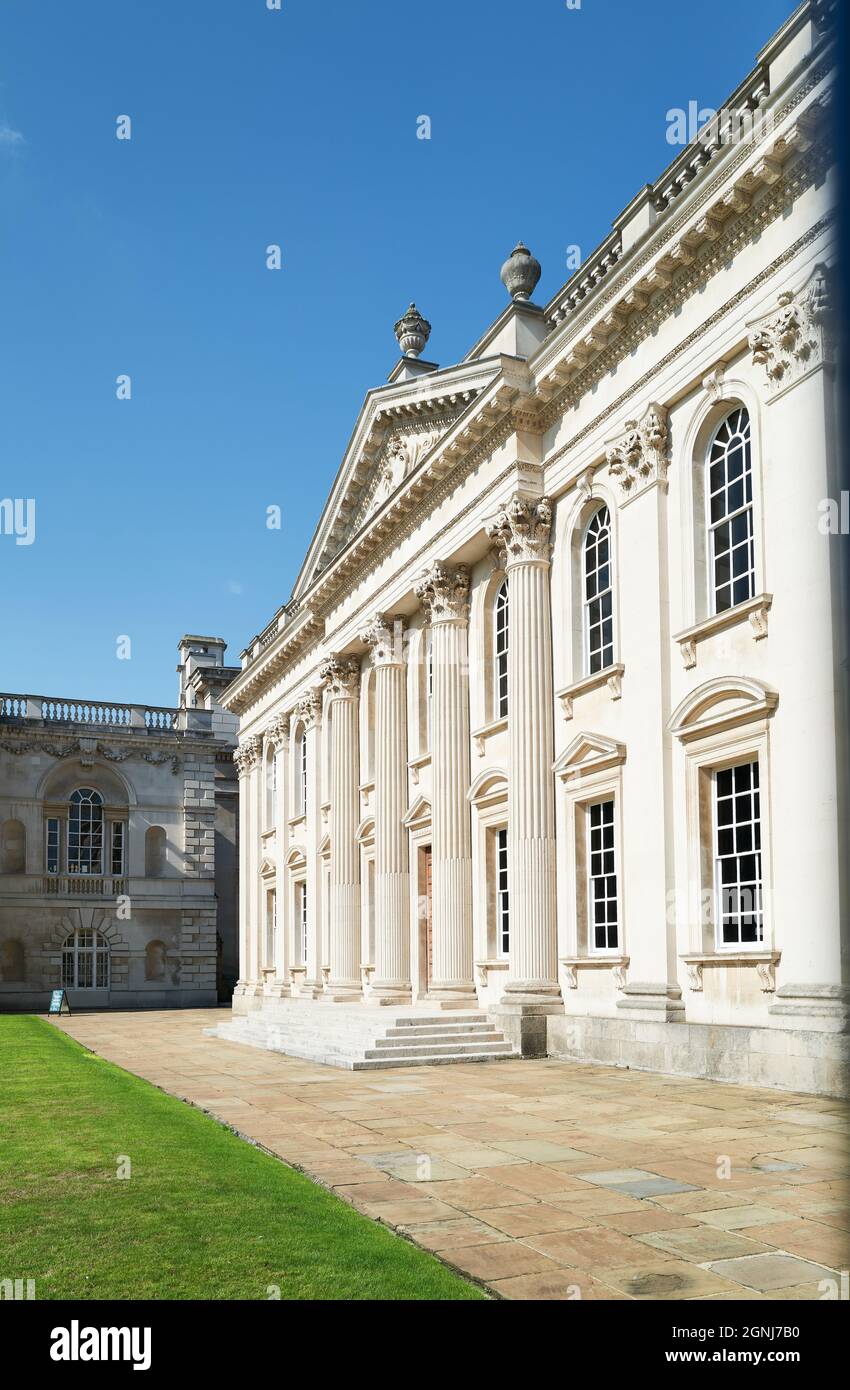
[
  {"x": 443, "y": 590},
  {"x": 798, "y": 338},
  {"x": 341, "y": 675},
  {"x": 88, "y": 749},
  {"x": 638, "y": 458},
  {"x": 384, "y": 637},
  {"x": 522, "y": 530}
]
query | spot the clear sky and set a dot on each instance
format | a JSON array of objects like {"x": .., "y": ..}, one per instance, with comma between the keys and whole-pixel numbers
[{"x": 147, "y": 257}]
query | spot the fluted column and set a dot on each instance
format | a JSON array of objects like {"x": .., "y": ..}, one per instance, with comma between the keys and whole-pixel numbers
[
  {"x": 247, "y": 763},
  {"x": 310, "y": 714},
  {"x": 342, "y": 677},
  {"x": 444, "y": 591},
  {"x": 522, "y": 531},
  {"x": 278, "y": 734},
  {"x": 243, "y": 759},
  {"x": 391, "y": 979}
]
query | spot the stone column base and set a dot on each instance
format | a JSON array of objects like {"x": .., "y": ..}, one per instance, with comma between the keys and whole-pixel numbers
[
  {"x": 279, "y": 990},
  {"x": 822, "y": 1008},
  {"x": 389, "y": 995},
  {"x": 524, "y": 1024},
  {"x": 655, "y": 1003},
  {"x": 343, "y": 992},
  {"x": 452, "y": 996}
]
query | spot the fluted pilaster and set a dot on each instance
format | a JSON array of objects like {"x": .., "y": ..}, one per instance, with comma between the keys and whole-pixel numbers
[
  {"x": 310, "y": 715},
  {"x": 522, "y": 532},
  {"x": 444, "y": 591},
  {"x": 343, "y": 679},
  {"x": 247, "y": 759},
  {"x": 391, "y": 979}
]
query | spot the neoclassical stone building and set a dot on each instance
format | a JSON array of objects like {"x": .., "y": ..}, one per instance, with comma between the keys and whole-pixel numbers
[
  {"x": 547, "y": 751},
  {"x": 118, "y": 861}
]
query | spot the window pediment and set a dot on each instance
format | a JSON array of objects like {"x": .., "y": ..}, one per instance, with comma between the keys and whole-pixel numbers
[
  {"x": 589, "y": 753},
  {"x": 490, "y": 785},
  {"x": 722, "y": 703},
  {"x": 419, "y": 813}
]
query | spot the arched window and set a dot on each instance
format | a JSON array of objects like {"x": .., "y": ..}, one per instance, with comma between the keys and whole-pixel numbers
[
  {"x": 429, "y": 685},
  {"x": 85, "y": 832},
  {"x": 13, "y": 848},
  {"x": 155, "y": 852},
  {"x": 271, "y": 788},
  {"x": 85, "y": 960},
  {"x": 729, "y": 494},
  {"x": 301, "y": 771},
  {"x": 598, "y": 594},
  {"x": 500, "y": 651}
]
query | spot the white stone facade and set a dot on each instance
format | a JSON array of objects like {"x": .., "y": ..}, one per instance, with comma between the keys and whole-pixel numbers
[
  {"x": 118, "y": 829},
  {"x": 552, "y": 813}
]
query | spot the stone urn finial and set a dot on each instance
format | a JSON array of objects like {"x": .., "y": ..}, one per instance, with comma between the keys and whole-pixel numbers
[
  {"x": 412, "y": 332},
  {"x": 520, "y": 273}
]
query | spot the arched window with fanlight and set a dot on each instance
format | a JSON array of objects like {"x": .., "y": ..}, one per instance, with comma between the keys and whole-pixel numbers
[
  {"x": 85, "y": 832},
  {"x": 729, "y": 497},
  {"x": 85, "y": 960},
  {"x": 598, "y": 593},
  {"x": 500, "y": 651}
]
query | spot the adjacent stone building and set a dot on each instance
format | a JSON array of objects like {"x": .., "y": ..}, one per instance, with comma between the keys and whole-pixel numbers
[
  {"x": 547, "y": 750},
  {"x": 118, "y": 873}
]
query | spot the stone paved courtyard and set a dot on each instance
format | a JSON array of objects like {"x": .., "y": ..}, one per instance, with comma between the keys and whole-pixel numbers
[{"x": 539, "y": 1178}]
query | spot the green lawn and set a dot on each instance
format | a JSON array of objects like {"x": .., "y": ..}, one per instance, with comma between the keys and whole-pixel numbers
[{"x": 204, "y": 1215}]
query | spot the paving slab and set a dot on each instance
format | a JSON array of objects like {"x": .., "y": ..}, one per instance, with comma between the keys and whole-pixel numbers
[{"x": 539, "y": 1178}]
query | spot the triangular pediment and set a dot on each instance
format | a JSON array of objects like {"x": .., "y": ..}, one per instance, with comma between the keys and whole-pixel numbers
[
  {"x": 589, "y": 753},
  {"x": 267, "y": 867},
  {"x": 398, "y": 426},
  {"x": 419, "y": 813}
]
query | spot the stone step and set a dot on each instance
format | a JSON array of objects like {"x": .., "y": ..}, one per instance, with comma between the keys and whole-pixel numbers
[
  {"x": 431, "y": 1049},
  {"x": 428, "y": 1039},
  {"x": 428, "y": 1030},
  {"x": 434, "y": 1060},
  {"x": 369, "y": 1039}
]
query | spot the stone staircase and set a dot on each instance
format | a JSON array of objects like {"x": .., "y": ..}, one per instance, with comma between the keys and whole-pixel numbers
[{"x": 364, "y": 1039}]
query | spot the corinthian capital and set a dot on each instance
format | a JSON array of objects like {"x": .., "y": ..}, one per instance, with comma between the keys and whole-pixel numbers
[
  {"x": 277, "y": 732},
  {"x": 310, "y": 708},
  {"x": 443, "y": 590},
  {"x": 790, "y": 342},
  {"x": 638, "y": 457},
  {"x": 522, "y": 530},
  {"x": 248, "y": 754},
  {"x": 341, "y": 674},
  {"x": 385, "y": 639}
]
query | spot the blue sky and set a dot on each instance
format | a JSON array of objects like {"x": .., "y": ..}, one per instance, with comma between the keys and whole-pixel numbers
[{"x": 147, "y": 257}]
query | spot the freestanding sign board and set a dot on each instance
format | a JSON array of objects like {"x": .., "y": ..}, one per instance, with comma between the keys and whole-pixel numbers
[{"x": 59, "y": 1002}]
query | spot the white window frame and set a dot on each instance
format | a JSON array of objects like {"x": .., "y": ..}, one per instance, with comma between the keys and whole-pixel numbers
[
  {"x": 88, "y": 947},
  {"x": 729, "y": 517},
  {"x": 501, "y": 642},
  {"x": 94, "y": 799},
  {"x": 590, "y": 878},
  {"x": 503, "y": 895},
  {"x": 599, "y": 595},
  {"x": 48, "y": 822},
  {"x": 117, "y": 842},
  {"x": 717, "y": 878}
]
